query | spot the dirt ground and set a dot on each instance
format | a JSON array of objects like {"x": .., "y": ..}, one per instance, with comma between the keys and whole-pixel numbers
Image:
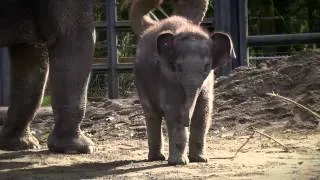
[{"x": 241, "y": 106}]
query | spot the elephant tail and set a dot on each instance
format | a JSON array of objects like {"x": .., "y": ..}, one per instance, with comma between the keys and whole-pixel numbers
[{"x": 140, "y": 20}]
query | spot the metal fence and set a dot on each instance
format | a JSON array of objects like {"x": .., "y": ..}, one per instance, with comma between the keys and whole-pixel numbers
[
  {"x": 230, "y": 16},
  {"x": 4, "y": 77},
  {"x": 1, "y": 77}
]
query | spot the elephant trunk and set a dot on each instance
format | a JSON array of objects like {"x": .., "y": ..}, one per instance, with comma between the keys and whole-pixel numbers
[
  {"x": 191, "y": 95},
  {"x": 140, "y": 20}
]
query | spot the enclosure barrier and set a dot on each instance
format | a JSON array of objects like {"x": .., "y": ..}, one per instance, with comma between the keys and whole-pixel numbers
[
  {"x": 230, "y": 16},
  {"x": 113, "y": 79},
  {"x": 1, "y": 78},
  {"x": 284, "y": 39},
  {"x": 4, "y": 77}
]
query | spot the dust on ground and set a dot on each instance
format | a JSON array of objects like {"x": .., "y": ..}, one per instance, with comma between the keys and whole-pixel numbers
[{"x": 241, "y": 105}]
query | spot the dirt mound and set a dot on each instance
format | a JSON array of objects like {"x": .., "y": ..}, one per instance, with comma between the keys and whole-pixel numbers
[
  {"x": 241, "y": 99},
  {"x": 121, "y": 118},
  {"x": 240, "y": 102}
]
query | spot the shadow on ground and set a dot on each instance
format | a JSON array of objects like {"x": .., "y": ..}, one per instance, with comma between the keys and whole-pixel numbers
[{"x": 88, "y": 170}]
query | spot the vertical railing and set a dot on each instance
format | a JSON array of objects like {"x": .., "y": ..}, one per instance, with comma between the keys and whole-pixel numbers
[
  {"x": 113, "y": 79},
  {"x": 223, "y": 23},
  {"x": 243, "y": 33},
  {"x": 1, "y": 78},
  {"x": 231, "y": 17},
  {"x": 4, "y": 77}
]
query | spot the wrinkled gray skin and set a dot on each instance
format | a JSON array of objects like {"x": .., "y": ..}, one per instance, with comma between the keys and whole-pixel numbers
[
  {"x": 191, "y": 9},
  {"x": 43, "y": 36},
  {"x": 174, "y": 78}
]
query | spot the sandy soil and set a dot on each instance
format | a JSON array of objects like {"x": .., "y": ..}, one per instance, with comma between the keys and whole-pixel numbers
[
  {"x": 118, "y": 129},
  {"x": 118, "y": 158}
]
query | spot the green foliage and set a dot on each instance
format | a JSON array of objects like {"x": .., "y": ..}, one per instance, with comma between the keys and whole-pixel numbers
[
  {"x": 46, "y": 101},
  {"x": 126, "y": 44},
  {"x": 99, "y": 81},
  {"x": 279, "y": 17},
  {"x": 100, "y": 10},
  {"x": 126, "y": 84},
  {"x": 210, "y": 11},
  {"x": 98, "y": 84}
]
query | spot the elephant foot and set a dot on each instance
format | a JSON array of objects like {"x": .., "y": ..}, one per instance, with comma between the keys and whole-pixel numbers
[
  {"x": 174, "y": 160},
  {"x": 16, "y": 143},
  {"x": 77, "y": 144},
  {"x": 198, "y": 158},
  {"x": 156, "y": 157}
]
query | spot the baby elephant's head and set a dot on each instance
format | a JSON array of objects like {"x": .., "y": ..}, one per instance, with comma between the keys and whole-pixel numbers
[{"x": 189, "y": 57}]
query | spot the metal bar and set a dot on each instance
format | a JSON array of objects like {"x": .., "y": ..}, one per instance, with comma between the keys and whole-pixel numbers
[
  {"x": 1, "y": 78},
  {"x": 113, "y": 79},
  {"x": 265, "y": 57},
  {"x": 234, "y": 32},
  {"x": 284, "y": 39},
  {"x": 128, "y": 67},
  {"x": 267, "y": 18},
  {"x": 243, "y": 32},
  {"x": 5, "y": 77},
  {"x": 125, "y": 25},
  {"x": 125, "y": 67},
  {"x": 223, "y": 23},
  {"x": 223, "y": 15},
  {"x": 217, "y": 15}
]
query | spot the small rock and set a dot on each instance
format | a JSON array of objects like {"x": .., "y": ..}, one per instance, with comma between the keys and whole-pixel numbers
[{"x": 109, "y": 119}]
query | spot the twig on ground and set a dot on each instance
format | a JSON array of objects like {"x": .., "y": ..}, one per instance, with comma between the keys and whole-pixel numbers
[
  {"x": 238, "y": 150},
  {"x": 297, "y": 104},
  {"x": 285, "y": 148}
]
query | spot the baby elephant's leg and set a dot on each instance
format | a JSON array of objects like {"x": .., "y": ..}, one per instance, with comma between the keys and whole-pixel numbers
[
  {"x": 153, "y": 122},
  {"x": 177, "y": 141},
  {"x": 200, "y": 124}
]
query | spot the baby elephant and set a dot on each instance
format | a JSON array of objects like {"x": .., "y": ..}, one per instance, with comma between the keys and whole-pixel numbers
[{"x": 174, "y": 76}]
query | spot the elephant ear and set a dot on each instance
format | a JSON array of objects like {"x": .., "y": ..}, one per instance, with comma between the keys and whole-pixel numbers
[
  {"x": 165, "y": 46},
  {"x": 223, "y": 51}
]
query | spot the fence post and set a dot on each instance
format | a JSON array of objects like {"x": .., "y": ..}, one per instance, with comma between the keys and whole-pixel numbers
[
  {"x": 243, "y": 33},
  {"x": 1, "y": 78},
  {"x": 230, "y": 17},
  {"x": 234, "y": 31},
  {"x": 223, "y": 23},
  {"x": 113, "y": 79},
  {"x": 4, "y": 77}
]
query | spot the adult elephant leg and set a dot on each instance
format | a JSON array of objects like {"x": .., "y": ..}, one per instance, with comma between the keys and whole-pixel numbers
[
  {"x": 70, "y": 66},
  {"x": 191, "y": 9},
  {"x": 29, "y": 73}
]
